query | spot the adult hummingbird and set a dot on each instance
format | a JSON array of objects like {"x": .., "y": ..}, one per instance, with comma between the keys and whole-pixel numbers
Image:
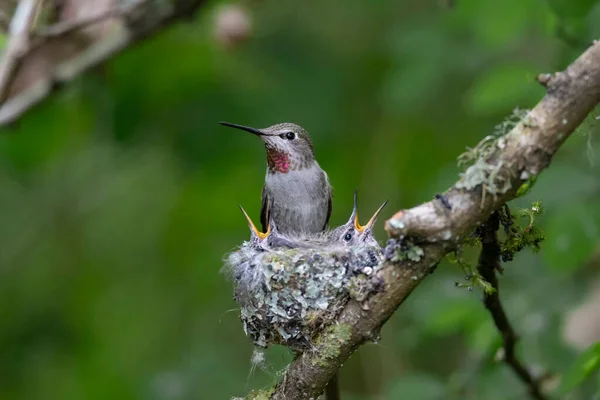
[{"x": 296, "y": 193}]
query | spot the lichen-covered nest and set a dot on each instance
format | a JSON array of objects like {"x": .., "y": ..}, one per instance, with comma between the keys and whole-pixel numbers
[
  {"x": 287, "y": 295},
  {"x": 290, "y": 288}
]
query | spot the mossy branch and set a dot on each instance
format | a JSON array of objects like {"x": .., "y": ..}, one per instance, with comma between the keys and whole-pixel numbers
[
  {"x": 436, "y": 229},
  {"x": 488, "y": 264}
]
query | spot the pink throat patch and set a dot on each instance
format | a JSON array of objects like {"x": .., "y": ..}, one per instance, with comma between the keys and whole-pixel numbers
[{"x": 280, "y": 162}]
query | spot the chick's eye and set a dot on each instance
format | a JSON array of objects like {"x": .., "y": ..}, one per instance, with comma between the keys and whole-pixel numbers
[
  {"x": 348, "y": 237},
  {"x": 290, "y": 136}
]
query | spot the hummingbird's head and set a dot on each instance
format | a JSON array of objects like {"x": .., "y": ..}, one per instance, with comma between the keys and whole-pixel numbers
[
  {"x": 352, "y": 232},
  {"x": 288, "y": 146}
]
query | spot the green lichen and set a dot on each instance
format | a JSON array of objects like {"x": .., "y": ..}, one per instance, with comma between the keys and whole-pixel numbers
[
  {"x": 471, "y": 240},
  {"x": 264, "y": 394},
  {"x": 415, "y": 253},
  {"x": 517, "y": 116},
  {"x": 327, "y": 346},
  {"x": 490, "y": 143},
  {"x": 484, "y": 149},
  {"x": 396, "y": 224},
  {"x": 360, "y": 287},
  {"x": 488, "y": 175},
  {"x": 481, "y": 168},
  {"x": 519, "y": 236},
  {"x": 471, "y": 275},
  {"x": 407, "y": 251}
]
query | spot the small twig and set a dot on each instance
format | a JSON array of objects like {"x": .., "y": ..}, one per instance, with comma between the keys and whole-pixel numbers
[
  {"x": 18, "y": 41},
  {"x": 64, "y": 28},
  {"x": 489, "y": 263}
]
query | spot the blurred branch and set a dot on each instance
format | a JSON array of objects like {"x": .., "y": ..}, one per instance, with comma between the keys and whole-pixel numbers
[
  {"x": 64, "y": 28},
  {"x": 525, "y": 151},
  {"x": 18, "y": 41},
  {"x": 489, "y": 263},
  {"x": 60, "y": 53}
]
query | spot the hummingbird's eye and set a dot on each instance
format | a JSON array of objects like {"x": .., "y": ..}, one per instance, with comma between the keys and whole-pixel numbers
[
  {"x": 290, "y": 136},
  {"x": 348, "y": 237}
]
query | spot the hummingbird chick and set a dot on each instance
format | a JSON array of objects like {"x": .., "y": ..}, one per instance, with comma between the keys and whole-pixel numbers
[
  {"x": 352, "y": 232},
  {"x": 296, "y": 192},
  {"x": 272, "y": 238}
]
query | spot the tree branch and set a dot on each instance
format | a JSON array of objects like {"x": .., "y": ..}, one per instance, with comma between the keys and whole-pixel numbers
[
  {"x": 64, "y": 51},
  {"x": 489, "y": 263},
  {"x": 64, "y": 28},
  {"x": 18, "y": 42},
  {"x": 524, "y": 152}
]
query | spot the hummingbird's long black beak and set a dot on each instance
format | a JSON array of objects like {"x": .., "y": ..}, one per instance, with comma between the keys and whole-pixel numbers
[{"x": 254, "y": 131}]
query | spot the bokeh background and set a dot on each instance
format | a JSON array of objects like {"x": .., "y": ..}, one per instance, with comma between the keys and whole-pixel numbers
[{"x": 118, "y": 199}]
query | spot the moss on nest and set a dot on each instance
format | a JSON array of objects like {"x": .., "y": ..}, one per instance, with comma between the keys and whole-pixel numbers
[{"x": 287, "y": 296}]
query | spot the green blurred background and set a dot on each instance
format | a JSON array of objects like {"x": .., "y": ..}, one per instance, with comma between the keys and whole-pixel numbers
[{"x": 118, "y": 199}]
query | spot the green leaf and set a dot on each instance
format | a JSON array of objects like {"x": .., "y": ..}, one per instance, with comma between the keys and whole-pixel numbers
[
  {"x": 571, "y": 237},
  {"x": 585, "y": 365},
  {"x": 502, "y": 88}
]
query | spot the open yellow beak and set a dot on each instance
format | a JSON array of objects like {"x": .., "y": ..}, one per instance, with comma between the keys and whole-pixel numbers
[
  {"x": 253, "y": 227},
  {"x": 361, "y": 228}
]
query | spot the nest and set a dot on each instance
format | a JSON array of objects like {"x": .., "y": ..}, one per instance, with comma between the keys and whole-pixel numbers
[
  {"x": 291, "y": 288},
  {"x": 288, "y": 295}
]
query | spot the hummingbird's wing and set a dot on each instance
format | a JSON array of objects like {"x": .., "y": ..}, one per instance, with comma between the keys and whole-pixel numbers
[
  {"x": 328, "y": 213},
  {"x": 264, "y": 210},
  {"x": 329, "y": 206}
]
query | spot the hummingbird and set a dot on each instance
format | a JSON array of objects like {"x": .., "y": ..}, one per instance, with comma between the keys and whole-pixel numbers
[
  {"x": 296, "y": 191},
  {"x": 271, "y": 238},
  {"x": 352, "y": 232},
  {"x": 349, "y": 234}
]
